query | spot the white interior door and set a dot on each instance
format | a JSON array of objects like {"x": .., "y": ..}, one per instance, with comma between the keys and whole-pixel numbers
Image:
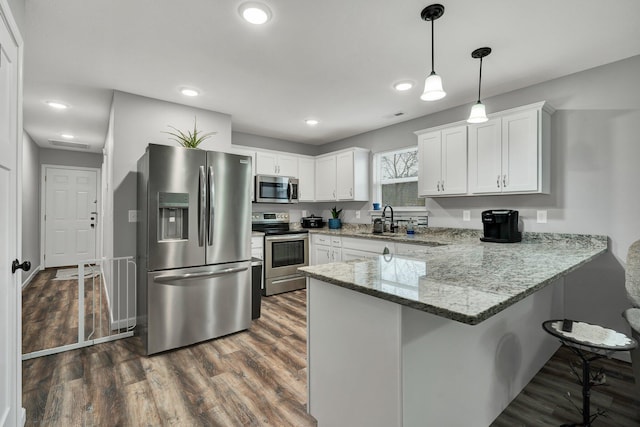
[
  {"x": 70, "y": 215},
  {"x": 10, "y": 124}
]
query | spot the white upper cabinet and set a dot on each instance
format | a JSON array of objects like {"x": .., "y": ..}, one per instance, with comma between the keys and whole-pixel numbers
[
  {"x": 510, "y": 153},
  {"x": 272, "y": 163},
  {"x": 306, "y": 179},
  {"x": 442, "y": 157},
  {"x": 343, "y": 175}
]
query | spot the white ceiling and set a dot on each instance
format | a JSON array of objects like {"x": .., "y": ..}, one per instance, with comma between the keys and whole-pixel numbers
[{"x": 333, "y": 60}]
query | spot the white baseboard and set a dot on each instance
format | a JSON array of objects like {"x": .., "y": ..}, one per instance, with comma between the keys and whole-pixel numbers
[{"x": 35, "y": 271}]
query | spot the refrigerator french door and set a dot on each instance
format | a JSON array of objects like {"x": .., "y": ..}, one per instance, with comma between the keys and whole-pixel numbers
[{"x": 194, "y": 246}]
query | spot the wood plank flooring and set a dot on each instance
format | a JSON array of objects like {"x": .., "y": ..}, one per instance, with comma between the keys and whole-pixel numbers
[
  {"x": 50, "y": 312},
  {"x": 257, "y": 378},
  {"x": 543, "y": 402}
]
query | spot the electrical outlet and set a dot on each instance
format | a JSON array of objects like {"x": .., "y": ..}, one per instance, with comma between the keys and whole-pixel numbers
[
  {"x": 357, "y": 214},
  {"x": 133, "y": 216},
  {"x": 542, "y": 217},
  {"x": 303, "y": 214},
  {"x": 466, "y": 215}
]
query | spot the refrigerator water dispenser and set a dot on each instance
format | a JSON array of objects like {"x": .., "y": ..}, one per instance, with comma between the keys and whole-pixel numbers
[{"x": 173, "y": 216}]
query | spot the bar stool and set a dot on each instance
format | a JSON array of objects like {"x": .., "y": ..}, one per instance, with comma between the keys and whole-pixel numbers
[{"x": 589, "y": 342}]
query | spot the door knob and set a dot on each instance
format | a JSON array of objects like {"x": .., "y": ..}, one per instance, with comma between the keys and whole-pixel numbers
[{"x": 26, "y": 266}]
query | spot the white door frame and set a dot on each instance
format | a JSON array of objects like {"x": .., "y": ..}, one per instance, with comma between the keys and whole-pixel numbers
[
  {"x": 13, "y": 384},
  {"x": 43, "y": 198}
]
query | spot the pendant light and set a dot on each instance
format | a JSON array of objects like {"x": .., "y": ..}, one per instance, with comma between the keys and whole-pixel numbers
[
  {"x": 433, "y": 83},
  {"x": 478, "y": 112}
]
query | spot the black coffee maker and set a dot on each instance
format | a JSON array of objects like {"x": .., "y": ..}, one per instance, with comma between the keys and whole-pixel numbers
[{"x": 501, "y": 226}]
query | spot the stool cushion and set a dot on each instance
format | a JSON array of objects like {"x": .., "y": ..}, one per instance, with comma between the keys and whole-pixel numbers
[{"x": 633, "y": 317}]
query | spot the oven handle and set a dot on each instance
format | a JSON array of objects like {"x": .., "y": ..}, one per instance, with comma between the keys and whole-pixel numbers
[
  {"x": 202, "y": 275},
  {"x": 287, "y": 237}
]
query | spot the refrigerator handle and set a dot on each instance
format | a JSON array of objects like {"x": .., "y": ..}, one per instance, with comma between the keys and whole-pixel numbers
[
  {"x": 202, "y": 275},
  {"x": 212, "y": 194},
  {"x": 202, "y": 213}
]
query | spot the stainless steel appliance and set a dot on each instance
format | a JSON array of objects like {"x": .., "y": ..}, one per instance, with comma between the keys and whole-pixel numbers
[
  {"x": 284, "y": 251},
  {"x": 501, "y": 226},
  {"x": 276, "y": 189},
  {"x": 194, "y": 246}
]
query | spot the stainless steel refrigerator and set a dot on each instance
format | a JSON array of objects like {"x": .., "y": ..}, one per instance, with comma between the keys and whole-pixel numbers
[{"x": 193, "y": 246}]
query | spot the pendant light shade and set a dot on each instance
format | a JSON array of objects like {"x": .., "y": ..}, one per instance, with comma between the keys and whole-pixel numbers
[
  {"x": 433, "y": 83},
  {"x": 478, "y": 111},
  {"x": 433, "y": 88}
]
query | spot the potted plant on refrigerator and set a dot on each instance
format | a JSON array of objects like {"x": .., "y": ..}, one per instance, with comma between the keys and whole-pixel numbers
[
  {"x": 189, "y": 139},
  {"x": 334, "y": 221}
]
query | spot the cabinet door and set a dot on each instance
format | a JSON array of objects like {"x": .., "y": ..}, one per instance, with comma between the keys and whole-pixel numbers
[
  {"x": 454, "y": 161},
  {"x": 287, "y": 165},
  {"x": 429, "y": 164},
  {"x": 336, "y": 254},
  {"x": 266, "y": 163},
  {"x": 344, "y": 179},
  {"x": 306, "y": 179},
  {"x": 485, "y": 169},
  {"x": 326, "y": 178},
  {"x": 520, "y": 152},
  {"x": 321, "y": 254}
]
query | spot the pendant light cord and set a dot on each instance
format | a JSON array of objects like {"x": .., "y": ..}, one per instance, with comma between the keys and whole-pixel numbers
[
  {"x": 432, "y": 56},
  {"x": 480, "y": 80}
]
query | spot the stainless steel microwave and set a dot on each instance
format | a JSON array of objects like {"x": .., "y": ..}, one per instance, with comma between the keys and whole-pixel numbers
[{"x": 276, "y": 189}]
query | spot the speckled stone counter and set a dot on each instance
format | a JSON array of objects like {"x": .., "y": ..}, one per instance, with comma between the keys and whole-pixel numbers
[{"x": 457, "y": 276}]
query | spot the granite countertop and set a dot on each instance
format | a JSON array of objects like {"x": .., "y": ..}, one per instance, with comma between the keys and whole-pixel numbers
[{"x": 462, "y": 279}]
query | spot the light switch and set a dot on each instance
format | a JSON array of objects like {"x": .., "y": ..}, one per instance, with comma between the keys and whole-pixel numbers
[
  {"x": 357, "y": 214},
  {"x": 466, "y": 215},
  {"x": 133, "y": 216},
  {"x": 542, "y": 217}
]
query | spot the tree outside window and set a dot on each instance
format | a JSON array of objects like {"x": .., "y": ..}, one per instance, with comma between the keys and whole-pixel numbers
[{"x": 398, "y": 177}]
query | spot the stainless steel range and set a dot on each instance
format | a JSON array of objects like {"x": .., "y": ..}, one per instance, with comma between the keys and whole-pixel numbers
[{"x": 284, "y": 251}]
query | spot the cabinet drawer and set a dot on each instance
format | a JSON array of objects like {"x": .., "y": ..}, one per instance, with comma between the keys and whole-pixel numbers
[
  {"x": 336, "y": 241},
  {"x": 321, "y": 239},
  {"x": 375, "y": 246}
]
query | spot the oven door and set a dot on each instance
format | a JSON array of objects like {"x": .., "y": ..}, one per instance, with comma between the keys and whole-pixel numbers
[
  {"x": 284, "y": 253},
  {"x": 274, "y": 189}
]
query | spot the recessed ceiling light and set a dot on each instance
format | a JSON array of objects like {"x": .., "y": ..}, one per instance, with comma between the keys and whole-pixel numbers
[
  {"x": 57, "y": 105},
  {"x": 255, "y": 13},
  {"x": 189, "y": 92},
  {"x": 403, "y": 86},
  {"x": 311, "y": 122},
  {"x": 67, "y": 136}
]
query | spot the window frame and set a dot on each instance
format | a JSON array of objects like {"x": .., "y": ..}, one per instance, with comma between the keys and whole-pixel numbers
[{"x": 377, "y": 178}]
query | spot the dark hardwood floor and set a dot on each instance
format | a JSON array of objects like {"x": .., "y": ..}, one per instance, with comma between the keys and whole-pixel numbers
[
  {"x": 258, "y": 377},
  {"x": 50, "y": 312},
  {"x": 255, "y": 377}
]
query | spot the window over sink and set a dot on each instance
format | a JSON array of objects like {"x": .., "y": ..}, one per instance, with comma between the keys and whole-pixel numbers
[{"x": 396, "y": 178}]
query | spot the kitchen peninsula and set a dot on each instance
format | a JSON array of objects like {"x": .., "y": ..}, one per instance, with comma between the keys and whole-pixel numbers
[{"x": 448, "y": 337}]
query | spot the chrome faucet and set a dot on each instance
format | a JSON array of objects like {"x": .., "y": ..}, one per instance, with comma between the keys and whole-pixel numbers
[{"x": 392, "y": 226}]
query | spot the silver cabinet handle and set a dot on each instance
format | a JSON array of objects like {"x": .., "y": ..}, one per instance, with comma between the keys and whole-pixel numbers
[
  {"x": 202, "y": 213},
  {"x": 498, "y": 181},
  {"x": 504, "y": 180},
  {"x": 442, "y": 185},
  {"x": 351, "y": 192},
  {"x": 334, "y": 194},
  {"x": 212, "y": 194},
  {"x": 201, "y": 275}
]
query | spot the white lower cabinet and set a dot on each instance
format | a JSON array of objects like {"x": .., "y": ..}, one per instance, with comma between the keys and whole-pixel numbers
[{"x": 325, "y": 249}]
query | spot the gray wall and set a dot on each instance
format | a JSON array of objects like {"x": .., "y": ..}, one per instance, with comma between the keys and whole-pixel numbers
[
  {"x": 266, "y": 143},
  {"x": 138, "y": 121},
  {"x": 594, "y": 175},
  {"x": 30, "y": 204},
  {"x": 50, "y": 156}
]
